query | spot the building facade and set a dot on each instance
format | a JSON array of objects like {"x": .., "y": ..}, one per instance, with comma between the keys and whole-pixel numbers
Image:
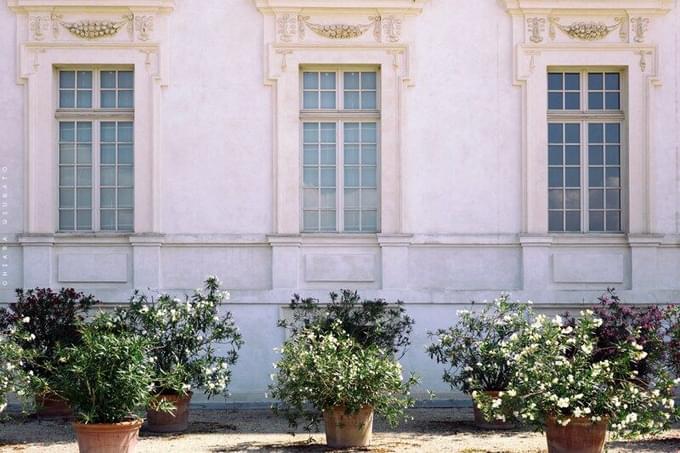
[{"x": 433, "y": 151}]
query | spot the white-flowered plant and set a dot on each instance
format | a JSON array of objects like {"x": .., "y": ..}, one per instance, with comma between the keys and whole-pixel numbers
[
  {"x": 193, "y": 345},
  {"x": 558, "y": 372},
  {"x": 13, "y": 375},
  {"x": 472, "y": 347}
]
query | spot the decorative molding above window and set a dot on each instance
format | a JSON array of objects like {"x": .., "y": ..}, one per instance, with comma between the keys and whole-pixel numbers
[
  {"x": 555, "y": 6},
  {"x": 376, "y": 6},
  {"x": 28, "y": 5}
]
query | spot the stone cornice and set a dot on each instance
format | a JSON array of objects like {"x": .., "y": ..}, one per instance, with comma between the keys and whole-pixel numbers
[
  {"x": 649, "y": 7},
  {"x": 407, "y": 7},
  {"x": 21, "y": 6}
]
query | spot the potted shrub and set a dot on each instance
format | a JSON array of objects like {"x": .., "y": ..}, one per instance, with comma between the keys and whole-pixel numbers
[
  {"x": 107, "y": 379},
  {"x": 192, "y": 346},
  {"x": 378, "y": 331},
  {"x": 325, "y": 372},
  {"x": 472, "y": 351},
  {"x": 50, "y": 321},
  {"x": 562, "y": 384}
]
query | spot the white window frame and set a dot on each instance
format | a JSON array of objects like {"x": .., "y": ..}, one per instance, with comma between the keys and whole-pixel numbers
[
  {"x": 96, "y": 116},
  {"x": 584, "y": 116},
  {"x": 340, "y": 116}
]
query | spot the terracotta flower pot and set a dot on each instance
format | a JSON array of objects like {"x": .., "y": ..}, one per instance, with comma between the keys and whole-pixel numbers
[
  {"x": 174, "y": 422},
  {"x": 107, "y": 437},
  {"x": 581, "y": 435},
  {"x": 483, "y": 423},
  {"x": 49, "y": 405},
  {"x": 348, "y": 430}
]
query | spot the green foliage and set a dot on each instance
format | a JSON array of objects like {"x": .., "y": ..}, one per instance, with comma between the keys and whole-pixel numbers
[
  {"x": 191, "y": 345},
  {"x": 324, "y": 367},
  {"x": 13, "y": 375},
  {"x": 559, "y": 370},
  {"x": 107, "y": 377},
  {"x": 472, "y": 347},
  {"x": 369, "y": 322}
]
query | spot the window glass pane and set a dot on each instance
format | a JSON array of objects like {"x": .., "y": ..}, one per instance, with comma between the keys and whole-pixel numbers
[
  {"x": 310, "y": 154},
  {"x": 125, "y": 220},
  {"x": 572, "y": 81},
  {"x": 310, "y": 100},
  {"x": 351, "y": 80},
  {"x": 125, "y": 79},
  {"x": 67, "y": 176},
  {"x": 596, "y": 221},
  {"x": 67, "y": 79},
  {"x": 125, "y": 177},
  {"x": 84, "y": 131},
  {"x": 612, "y": 101},
  {"x": 613, "y": 177},
  {"x": 311, "y": 132},
  {"x": 369, "y": 154},
  {"x": 368, "y": 81},
  {"x": 328, "y": 154},
  {"x": 572, "y": 101},
  {"x": 572, "y": 177},
  {"x": 572, "y": 133},
  {"x": 108, "y": 99},
  {"x": 595, "y": 177},
  {"x": 327, "y": 221},
  {"x": 555, "y": 177},
  {"x": 351, "y": 177},
  {"x": 352, "y": 100},
  {"x": 108, "y": 198},
  {"x": 572, "y": 155},
  {"x": 613, "y": 132},
  {"x": 555, "y": 133},
  {"x": 310, "y": 80},
  {"x": 612, "y": 81},
  {"x": 67, "y": 131},
  {"x": 555, "y": 81},
  {"x": 108, "y": 79},
  {"x": 556, "y": 199},
  {"x": 352, "y": 198},
  {"x": 108, "y": 176},
  {"x": 572, "y": 199},
  {"x": 369, "y": 221},
  {"x": 328, "y": 81},
  {"x": 368, "y": 133},
  {"x": 67, "y": 99},
  {"x": 595, "y": 101},
  {"x": 84, "y": 99},
  {"x": 310, "y": 177},
  {"x": 327, "y": 199},
  {"x": 125, "y": 154},
  {"x": 310, "y": 199},
  {"x": 84, "y": 154},
  {"x": 84, "y": 176},
  {"x": 108, "y": 154},
  {"x": 555, "y": 101},
  {"x": 613, "y": 199},
  {"x": 328, "y": 99},
  {"x": 595, "y": 155},
  {"x": 352, "y": 221},
  {"x": 595, "y": 81},
  {"x": 351, "y": 154},
  {"x": 368, "y": 177},
  {"x": 368, "y": 100},
  {"x": 66, "y": 154},
  {"x": 125, "y": 198},
  {"x": 572, "y": 221},
  {"x": 328, "y": 177},
  {"x": 369, "y": 198},
  {"x": 595, "y": 134},
  {"x": 125, "y": 131},
  {"x": 351, "y": 132},
  {"x": 83, "y": 219},
  {"x": 107, "y": 219},
  {"x": 613, "y": 155},
  {"x": 66, "y": 198},
  {"x": 84, "y": 197},
  {"x": 85, "y": 79},
  {"x": 596, "y": 199},
  {"x": 125, "y": 99},
  {"x": 327, "y": 132},
  {"x": 311, "y": 220},
  {"x": 556, "y": 221},
  {"x": 66, "y": 220},
  {"x": 613, "y": 221}
]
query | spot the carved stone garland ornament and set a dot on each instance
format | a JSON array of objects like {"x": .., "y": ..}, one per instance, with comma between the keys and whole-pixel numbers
[
  {"x": 585, "y": 31},
  {"x": 342, "y": 31},
  {"x": 93, "y": 29}
]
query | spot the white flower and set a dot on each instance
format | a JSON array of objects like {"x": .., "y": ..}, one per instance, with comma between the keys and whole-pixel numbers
[
  {"x": 587, "y": 348},
  {"x": 567, "y": 330},
  {"x": 144, "y": 309},
  {"x": 512, "y": 392},
  {"x": 26, "y": 320},
  {"x": 557, "y": 320},
  {"x": 496, "y": 403},
  {"x": 186, "y": 387},
  {"x": 563, "y": 402},
  {"x": 564, "y": 422},
  {"x": 578, "y": 412}
]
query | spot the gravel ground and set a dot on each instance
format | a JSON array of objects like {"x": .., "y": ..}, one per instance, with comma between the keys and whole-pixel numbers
[{"x": 432, "y": 430}]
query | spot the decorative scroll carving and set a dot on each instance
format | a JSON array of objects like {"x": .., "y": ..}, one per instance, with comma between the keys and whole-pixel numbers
[
  {"x": 94, "y": 29},
  {"x": 287, "y": 26},
  {"x": 144, "y": 26},
  {"x": 38, "y": 25},
  {"x": 585, "y": 31},
  {"x": 392, "y": 28},
  {"x": 536, "y": 28},
  {"x": 639, "y": 25},
  {"x": 643, "y": 59},
  {"x": 341, "y": 31}
]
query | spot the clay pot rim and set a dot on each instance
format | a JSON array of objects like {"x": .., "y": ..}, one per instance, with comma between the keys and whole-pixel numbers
[
  {"x": 118, "y": 426},
  {"x": 582, "y": 421},
  {"x": 342, "y": 407}
]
